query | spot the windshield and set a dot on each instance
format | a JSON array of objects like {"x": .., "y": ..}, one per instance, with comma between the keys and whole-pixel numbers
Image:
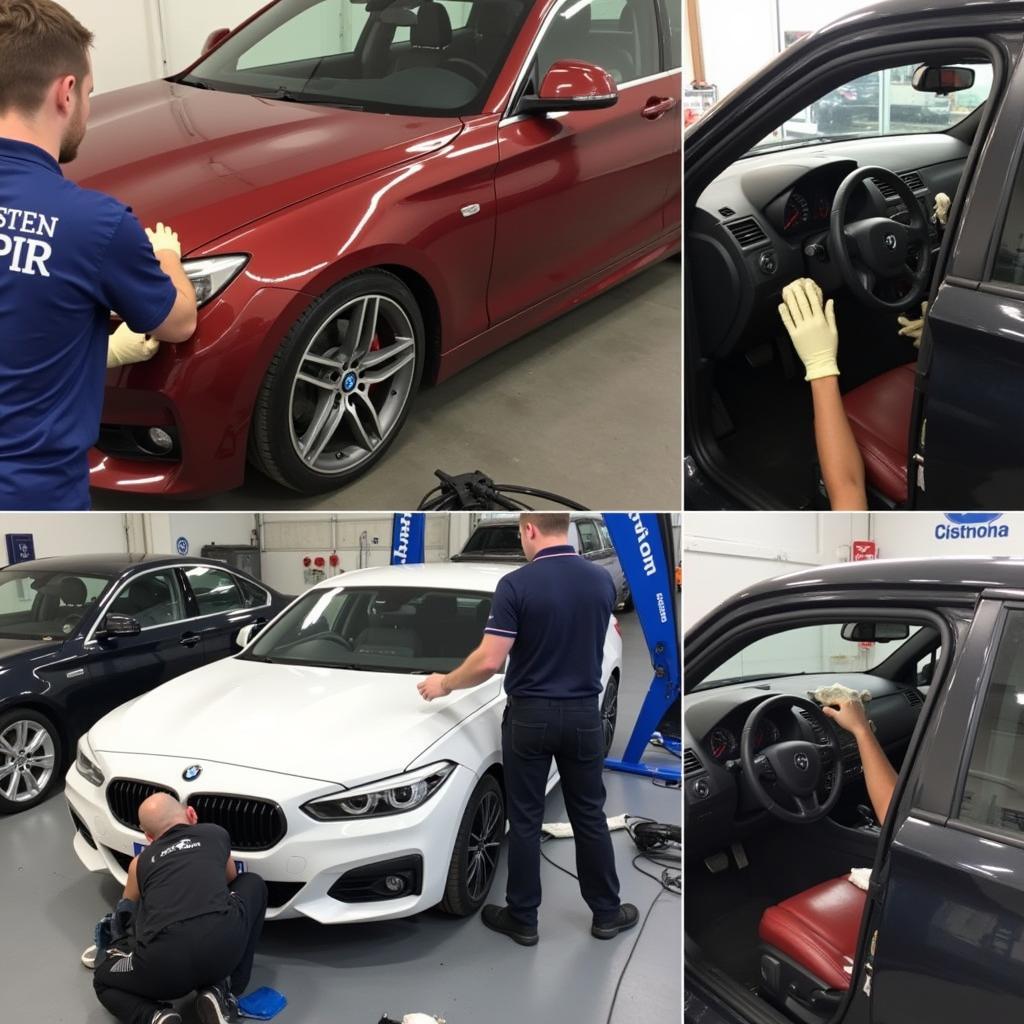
[
  {"x": 383, "y": 629},
  {"x": 36, "y": 605},
  {"x": 878, "y": 104},
  {"x": 495, "y": 540},
  {"x": 405, "y": 56},
  {"x": 801, "y": 651}
]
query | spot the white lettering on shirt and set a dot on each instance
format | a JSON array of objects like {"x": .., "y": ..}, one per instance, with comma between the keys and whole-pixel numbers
[{"x": 28, "y": 255}]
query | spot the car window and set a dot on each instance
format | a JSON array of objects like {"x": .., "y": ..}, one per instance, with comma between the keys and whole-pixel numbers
[
  {"x": 877, "y": 104},
  {"x": 495, "y": 540},
  {"x": 35, "y": 605},
  {"x": 253, "y": 595},
  {"x": 675, "y": 33},
  {"x": 805, "y": 649},
  {"x": 459, "y": 12},
  {"x": 606, "y": 537},
  {"x": 215, "y": 590},
  {"x": 323, "y": 29},
  {"x": 620, "y": 36},
  {"x": 994, "y": 790},
  {"x": 152, "y": 598},
  {"x": 590, "y": 539}
]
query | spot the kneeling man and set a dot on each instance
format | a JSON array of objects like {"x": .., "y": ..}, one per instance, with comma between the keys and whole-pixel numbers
[{"x": 196, "y": 928}]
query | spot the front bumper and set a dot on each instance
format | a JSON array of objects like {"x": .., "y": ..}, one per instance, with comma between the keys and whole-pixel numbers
[
  {"x": 202, "y": 392},
  {"x": 301, "y": 869}
]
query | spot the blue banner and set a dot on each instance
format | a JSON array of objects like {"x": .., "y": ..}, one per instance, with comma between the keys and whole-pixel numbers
[{"x": 408, "y": 538}]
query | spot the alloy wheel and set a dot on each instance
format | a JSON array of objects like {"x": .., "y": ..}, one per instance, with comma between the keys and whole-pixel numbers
[
  {"x": 27, "y": 758},
  {"x": 352, "y": 385},
  {"x": 483, "y": 846},
  {"x": 610, "y": 712}
]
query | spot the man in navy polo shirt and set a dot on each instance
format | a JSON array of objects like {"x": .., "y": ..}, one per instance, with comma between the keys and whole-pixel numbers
[
  {"x": 550, "y": 619},
  {"x": 68, "y": 257}
]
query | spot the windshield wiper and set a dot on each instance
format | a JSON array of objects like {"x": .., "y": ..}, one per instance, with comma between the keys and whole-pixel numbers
[
  {"x": 287, "y": 96},
  {"x": 196, "y": 83}
]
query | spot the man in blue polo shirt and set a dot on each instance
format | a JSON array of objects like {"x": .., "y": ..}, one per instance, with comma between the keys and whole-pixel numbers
[
  {"x": 68, "y": 257},
  {"x": 550, "y": 619}
]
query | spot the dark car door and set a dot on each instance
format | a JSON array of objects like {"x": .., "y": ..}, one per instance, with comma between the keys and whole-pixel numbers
[
  {"x": 578, "y": 192},
  {"x": 968, "y": 413},
  {"x": 949, "y": 937},
  {"x": 224, "y": 602},
  {"x": 168, "y": 644}
]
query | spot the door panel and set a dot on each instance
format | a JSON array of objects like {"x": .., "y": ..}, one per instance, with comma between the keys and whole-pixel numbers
[{"x": 224, "y": 604}]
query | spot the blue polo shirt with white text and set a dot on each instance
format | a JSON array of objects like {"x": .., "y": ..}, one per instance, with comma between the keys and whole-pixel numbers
[
  {"x": 557, "y": 609},
  {"x": 68, "y": 258}
]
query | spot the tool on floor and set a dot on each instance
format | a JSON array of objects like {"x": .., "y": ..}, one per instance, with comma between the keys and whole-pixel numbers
[
  {"x": 643, "y": 542},
  {"x": 563, "y": 830},
  {"x": 262, "y": 1004},
  {"x": 477, "y": 492}
]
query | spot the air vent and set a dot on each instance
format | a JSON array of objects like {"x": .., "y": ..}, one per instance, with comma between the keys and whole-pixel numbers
[
  {"x": 727, "y": 211},
  {"x": 914, "y": 698},
  {"x": 747, "y": 232},
  {"x": 691, "y": 762},
  {"x": 913, "y": 179},
  {"x": 888, "y": 192},
  {"x": 816, "y": 726}
]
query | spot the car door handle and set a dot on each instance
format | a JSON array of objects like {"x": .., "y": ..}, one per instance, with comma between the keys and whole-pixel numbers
[
  {"x": 656, "y": 106},
  {"x": 189, "y": 639}
]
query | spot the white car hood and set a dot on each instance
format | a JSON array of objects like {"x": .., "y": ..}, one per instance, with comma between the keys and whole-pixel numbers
[{"x": 316, "y": 723}]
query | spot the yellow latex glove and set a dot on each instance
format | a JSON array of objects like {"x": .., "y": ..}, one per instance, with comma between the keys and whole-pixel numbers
[
  {"x": 913, "y": 328},
  {"x": 942, "y": 205},
  {"x": 811, "y": 327},
  {"x": 163, "y": 238},
  {"x": 127, "y": 347}
]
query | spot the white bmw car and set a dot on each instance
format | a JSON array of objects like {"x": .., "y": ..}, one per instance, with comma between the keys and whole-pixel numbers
[{"x": 354, "y": 798}]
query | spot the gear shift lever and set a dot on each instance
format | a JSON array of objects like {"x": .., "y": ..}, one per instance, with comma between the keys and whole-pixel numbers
[{"x": 867, "y": 817}]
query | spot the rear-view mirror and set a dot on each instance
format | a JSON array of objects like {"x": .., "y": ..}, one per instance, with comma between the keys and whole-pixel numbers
[
  {"x": 396, "y": 15},
  {"x": 875, "y": 632},
  {"x": 941, "y": 79},
  {"x": 247, "y": 634},
  {"x": 215, "y": 38},
  {"x": 571, "y": 85},
  {"x": 118, "y": 625}
]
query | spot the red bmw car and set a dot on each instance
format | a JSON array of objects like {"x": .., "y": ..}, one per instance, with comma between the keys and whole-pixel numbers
[{"x": 374, "y": 194}]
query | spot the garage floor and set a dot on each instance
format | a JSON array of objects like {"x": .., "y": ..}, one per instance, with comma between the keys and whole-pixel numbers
[
  {"x": 588, "y": 407},
  {"x": 454, "y": 968}
]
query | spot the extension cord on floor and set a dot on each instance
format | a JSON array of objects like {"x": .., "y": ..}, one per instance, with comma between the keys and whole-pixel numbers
[{"x": 563, "y": 830}]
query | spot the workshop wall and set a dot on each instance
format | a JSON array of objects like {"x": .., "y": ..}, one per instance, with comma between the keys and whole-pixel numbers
[
  {"x": 62, "y": 533},
  {"x": 917, "y": 534}
]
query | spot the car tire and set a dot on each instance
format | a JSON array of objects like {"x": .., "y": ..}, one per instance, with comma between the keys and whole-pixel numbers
[
  {"x": 610, "y": 712},
  {"x": 626, "y": 604},
  {"x": 30, "y": 760},
  {"x": 478, "y": 842},
  {"x": 294, "y": 413}
]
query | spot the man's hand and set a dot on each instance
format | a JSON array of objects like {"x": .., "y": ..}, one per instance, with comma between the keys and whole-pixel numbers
[
  {"x": 811, "y": 327},
  {"x": 913, "y": 329},
  {"x": 433, "y": 687},
  {"x": 850, "y": 715},
  {"x": 164, "y": 239},
  {"x": 942, "y": 205},
  {"x": 125, "y": 347}
]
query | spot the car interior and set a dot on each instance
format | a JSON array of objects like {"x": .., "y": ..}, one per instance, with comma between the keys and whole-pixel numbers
[
  {"x": 441, "y": 54},
  {"x": 767, "y": 861},
  {"x": 152, "y": 599},
  {"x": 45, "y": 605},
  {"x": 765, "y": 221}
]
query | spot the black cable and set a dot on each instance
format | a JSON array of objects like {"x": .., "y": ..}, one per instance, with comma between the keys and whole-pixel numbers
[
  {"x": 477, "y": 492},
  {"x": 636, "y": 942},
  {"x": 565, "y": 871}
]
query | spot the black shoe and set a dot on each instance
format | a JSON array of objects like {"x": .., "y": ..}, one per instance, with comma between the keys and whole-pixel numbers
[
  {"x": 166, "y": 1016},
  {"x": 216, "y": 1005},
  {"x": 627, "y": 918},
  {"x": 498, "y": 919}
]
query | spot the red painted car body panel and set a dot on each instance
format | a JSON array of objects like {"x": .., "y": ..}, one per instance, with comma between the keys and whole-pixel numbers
[{"x": 569, "y": 206}]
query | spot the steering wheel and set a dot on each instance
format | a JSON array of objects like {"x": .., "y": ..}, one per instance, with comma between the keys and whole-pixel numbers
[
  {"x": 467, "y": 69},
  {"x": 877, "y": 249},
  {"x": 795, "y": 766}
]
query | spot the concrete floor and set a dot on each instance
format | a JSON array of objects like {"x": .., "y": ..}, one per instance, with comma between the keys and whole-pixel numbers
[
  {"x": 352, "y": 975},
  {"x": 587, "y": 407}
]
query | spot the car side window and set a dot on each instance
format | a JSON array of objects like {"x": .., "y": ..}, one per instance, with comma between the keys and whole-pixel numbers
[
  {"x": 590, "y": 540},
  {"x": 153, "y": 599},
  {"x": 1009, "y": 264},
  {"x": 215, "y": 590},
  {"x": 606, "y": 537},
  {"x": 675, "y": 33},
  {"x": 254, "y": 596},
  {"x": 620, "y": 36},
  {"x": 994, "y": 791}
]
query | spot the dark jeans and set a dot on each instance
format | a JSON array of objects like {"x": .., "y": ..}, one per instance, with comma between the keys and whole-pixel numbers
[
  {"x": 134, "y": 981},
  {"x": 535, "y": 730}
]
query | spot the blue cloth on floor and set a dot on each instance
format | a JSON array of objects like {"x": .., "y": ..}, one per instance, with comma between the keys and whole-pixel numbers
[{"x": 263, "y": 1004}]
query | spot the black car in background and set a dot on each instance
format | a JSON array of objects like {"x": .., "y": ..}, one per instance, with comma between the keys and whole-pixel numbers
[
  {"x": 776, "y": 809},
  {"x": 81, "y": 635},
  {"x": 497, "y": 540}
]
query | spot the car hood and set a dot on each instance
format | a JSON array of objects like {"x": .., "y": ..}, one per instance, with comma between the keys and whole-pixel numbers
[
  {"x": 12, "y": 649},
  {"x": 316, "y": 723},
  {"x": 208, "y": 163}
]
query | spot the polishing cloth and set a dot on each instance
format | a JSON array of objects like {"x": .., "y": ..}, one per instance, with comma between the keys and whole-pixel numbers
[
  {"x": 861, "y": 877},
  {"x": 836, "y": 693},
  {"x": 263, "y": 1004}
]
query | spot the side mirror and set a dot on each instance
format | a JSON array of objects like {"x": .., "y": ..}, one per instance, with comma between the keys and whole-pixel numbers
[
  {"x": 214, "y": 39},
  {"x": 875, "y": 632},
  {"x": 118, "y": 625},
  {"x": 247, "y": 634},
  {"x": 942, "y": 80},
  {"x": 571, "y": 85}
]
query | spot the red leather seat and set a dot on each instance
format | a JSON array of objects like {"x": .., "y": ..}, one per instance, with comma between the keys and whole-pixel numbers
[
  {"x": 818, "y": 929},
  {"x": 879, "y": 414}
]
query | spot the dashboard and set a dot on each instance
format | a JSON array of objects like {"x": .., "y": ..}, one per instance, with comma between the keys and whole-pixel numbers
[
  {"x": 720, "y": 807},
  {"x": 764, "y": 222}
]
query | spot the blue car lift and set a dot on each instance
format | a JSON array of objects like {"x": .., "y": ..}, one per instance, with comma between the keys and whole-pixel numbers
[{"x": 643, "y": 542}]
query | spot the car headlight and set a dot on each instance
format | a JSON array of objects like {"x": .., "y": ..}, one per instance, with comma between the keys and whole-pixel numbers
[
  {"x": 86, "y": 763},
  {"x": 210, "y": 276},
  {"x": 389, "y": 796}
]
